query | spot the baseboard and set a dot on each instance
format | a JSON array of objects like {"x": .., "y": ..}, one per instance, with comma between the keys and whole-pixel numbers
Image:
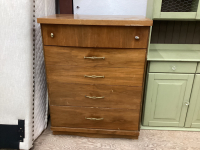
[{"x": 169, "y": 128}]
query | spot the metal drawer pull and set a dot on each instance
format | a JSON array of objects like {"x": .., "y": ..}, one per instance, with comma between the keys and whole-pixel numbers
[
  {"x": 187, "y": 103},
  {"x": 93, "y": 76},
  {"x": 137, "y": 37},
  {"x": 93, "y": 57},
  {"x": 52, "y": 35},
  {"x": 94, "y": 118},
  {"x": 174, "y": 68},
  {"x": 94, "y": 97}
]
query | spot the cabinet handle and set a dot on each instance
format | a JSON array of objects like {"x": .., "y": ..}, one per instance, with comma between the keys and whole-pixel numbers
[
  {"x": 187, "y": 103},
  {"x": 94, "y": 97},
  {"x": 93, "y": 57},
  {"x": 93, "y": 76},
  {"x": 137, "y": 37},
  {"x": 174, "y": 68},
  {"x": 94, "y": 119},
  {"x": 52, "y": 35}
]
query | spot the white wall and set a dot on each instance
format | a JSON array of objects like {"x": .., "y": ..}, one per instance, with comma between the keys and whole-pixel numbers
[{"x": 110, "y": 7}]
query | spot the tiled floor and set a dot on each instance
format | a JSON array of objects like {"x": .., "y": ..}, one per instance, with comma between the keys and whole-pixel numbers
[{"x": 148, "y": 140}]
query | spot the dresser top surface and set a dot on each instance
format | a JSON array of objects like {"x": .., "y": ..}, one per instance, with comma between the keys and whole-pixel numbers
[{"x": 102, "y": 20}]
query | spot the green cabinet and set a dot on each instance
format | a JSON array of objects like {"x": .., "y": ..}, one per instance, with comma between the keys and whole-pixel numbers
[
  {"x": 193, "y": 116},
  {"x": 172, "y": 90},
  {"x": 173, "y": 9},
  {"x": 198, "y": 12},
  {"x": 167, "y": 99},
  {"x": 173, "y": 67}
]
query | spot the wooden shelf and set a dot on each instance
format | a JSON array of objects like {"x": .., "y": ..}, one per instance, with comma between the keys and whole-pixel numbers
[
  {"x": 173, "y": 55},
  {"x": 174, "y": 52}
]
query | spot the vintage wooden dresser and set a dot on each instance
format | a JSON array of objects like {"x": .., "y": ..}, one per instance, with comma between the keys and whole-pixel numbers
[{"x": 95, "y": 68}]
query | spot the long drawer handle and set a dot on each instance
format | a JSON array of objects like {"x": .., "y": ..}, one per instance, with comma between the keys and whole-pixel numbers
[
  {"x": 94, "y": 97},
  {"x": 93, "y": 57},
  {"x": 97, "y": 119},
  {"x": 93, "y": 76}
]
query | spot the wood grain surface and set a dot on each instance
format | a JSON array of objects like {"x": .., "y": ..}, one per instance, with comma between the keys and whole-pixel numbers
[
  {"x": 112, "y": 76},
  {"x": 93, "y": 135},
  {"x": 113, "y": 119},
  {"x": 95, "y": 131},
  {"x": 95, "y": 36},
  {"x": 116, "y": 58},
  {"x": 102, "y": 20},
  {"x": 122, "y": 97},
  {"x": 95, "y": 107}
]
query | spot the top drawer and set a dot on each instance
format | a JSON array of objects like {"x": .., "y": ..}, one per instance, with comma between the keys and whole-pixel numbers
[
  {"x": 176, "y": 67},
  {"x": 95, "y": 36}
]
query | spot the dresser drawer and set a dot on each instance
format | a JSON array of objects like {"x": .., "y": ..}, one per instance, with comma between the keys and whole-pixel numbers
[
  {"x": 95, "y": 36},
  {"x": 198, "y": 68},
  {"x": 95, "y": 118},
  {"x": 94, "y": 57},
  {"x": 176, "y": 67},
  {"x": 122, "y": 97},
  {"x": 95, "y": 75}
]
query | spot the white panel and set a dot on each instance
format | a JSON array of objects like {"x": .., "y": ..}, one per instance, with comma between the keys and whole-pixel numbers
[
  {"x": 42, "y": 8},
  {"x": 16, "y": 71},
  {"x": 110, "y": 7},
  {"x": 17, "y": 40},
  {"x": 40, "y": 89}
]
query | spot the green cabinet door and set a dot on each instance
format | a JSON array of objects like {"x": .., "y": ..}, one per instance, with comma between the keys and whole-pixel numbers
[
  {"x": 198, "y": 68},
  {"x": 198, "y": 11},
  {"x": 193, "y": 116},
  {"x": 159, "y": 15},
  {"x": 165, "y": 99}
]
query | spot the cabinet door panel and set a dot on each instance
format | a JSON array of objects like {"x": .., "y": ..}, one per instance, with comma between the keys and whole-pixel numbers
[
  {"x": 198, "y": 68},
  {"x": 193, "y": 116},
  {"x": 198, "y": 12},
  {"x": 173, "y": 10},
  {"x": 157, "y": 8},
  {"x": 165, "y": 99}
]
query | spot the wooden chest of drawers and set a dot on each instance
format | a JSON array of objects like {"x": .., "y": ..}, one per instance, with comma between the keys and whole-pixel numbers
[{"x": 95, "y": 69}]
